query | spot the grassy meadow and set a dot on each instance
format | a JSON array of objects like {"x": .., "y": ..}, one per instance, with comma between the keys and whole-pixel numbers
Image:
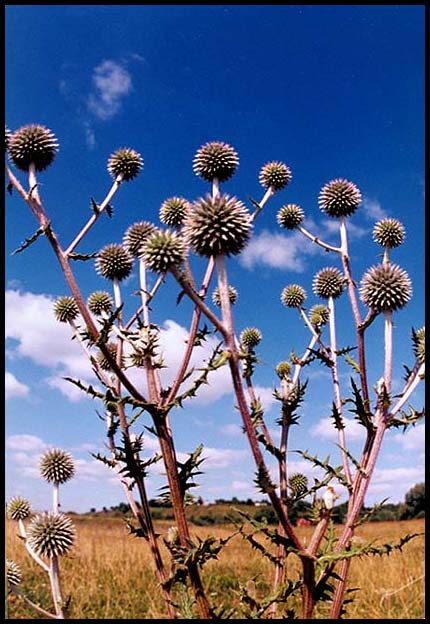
[{"x": 110, "y": 575}]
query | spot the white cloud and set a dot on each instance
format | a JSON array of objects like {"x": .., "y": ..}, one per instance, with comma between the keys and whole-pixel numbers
[
  {"x": 413, "y": 439},
  {"x": 14, "y": 388},
  {"x": 222, "y": 458},
  {"x": 373, "y": 209},
  {"x": 325, "y": 430},
  {"x": 266, "y": 397},
  {"x": 25, "y": 442},
  {"x": 232, "y": 430},
  {"x": 278, "y": 251},
  {"x": 395, "y": 482},
  {"x": 111, "y": 83}
]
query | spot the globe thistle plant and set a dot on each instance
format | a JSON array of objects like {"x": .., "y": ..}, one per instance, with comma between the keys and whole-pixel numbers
[
  {"x": 419, "y": 341},
  {"x": 7, "y": 135},
  {"x": 32, "y": 144},
  {"x": 232, "y": 295},
  {"x": 102, "y": 360},
  {"x": 163, "y": 250},
  {"x": 56, "y": 466},
  {"x": 389, "y": 233},
  {"x": 319, "y": 315},
  {"x": 283, "y": 369},
  {"x": 136, "y": 235},
  {"x": 298, "y": 483},
  {"x": 100, "y": 302},
  {"x": 66, "y": 309},
  {"x": 114, "y": 262},
  {"x": 328, "y": 282},
  {"x": 13, "y": 574},
  {"x": 290, "y": 216},
  {"x": 215, "y": 160},
  {"x": 293, "y": 296},
  {"x": 173, "y": 211},
  {"x": 126, "y": 163},
  {"x": 275, "y": 175},
  {"x": 339, "y": 198},
  {"x": 51, "y": 534},
  {"x": 217, "y": 226},
  {"x": 385, "y": 287},
  {"x": 18, "y": 508},
  {"x": 250, "y": 337}
]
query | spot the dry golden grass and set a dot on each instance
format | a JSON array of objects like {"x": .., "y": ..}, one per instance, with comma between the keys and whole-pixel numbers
[{"x": 110, "y": 574}]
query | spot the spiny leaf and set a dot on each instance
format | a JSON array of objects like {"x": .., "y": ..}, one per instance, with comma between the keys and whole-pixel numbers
[
  {"x": 354, "y": 460},
  {"x": 408, "y": 419},
  {"x": 337, "y": 417},
  {"x": 29, "y": 241},
  {"x": 363, "y": 415},
  {"x": 349, "y": 360},
  {"x": 319, "y": 355},
  {"x": 94, "y": 206},
  {"x": 109, "y": 210},
  {"x": 366, "y": 517},
  {"x": 368, "y": 549},
  {"x": 335, "y": 473},
  {"x": 254, "y": 203},
  {"x": 9, "y": 188},
  {"x": 263, "y": 480},
  {"x": 105, "y": 460},
  {"x": 78, "y": 256}
]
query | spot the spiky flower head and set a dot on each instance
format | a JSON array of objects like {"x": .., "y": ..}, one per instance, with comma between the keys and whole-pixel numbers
[
  {"x": 290, "y": 216},
  {"x": 283, "y": 369},
  {"x": 102, "y": 360},
  {"x": 51, "y": 534},
  {"x": 250, "y": 337},
  {"x": 56, "y": 466},
  {"x": 100, "y": 301},
  {"x": 275, "y": 175},
  {"x": 7, "y": 135},
  {"x": 136, "y": 235},
  {"x": 385, "y": 287},
  {"x": 298, "y": 483},
  {"x": 319, "y": 315},
  {"x": 328, "y": 282},
  {"x": 114, "y": 262},
  {"x": 389, "y": 233},
  {"x": 32, "y": 144},
  {"x": 232, "y": 295},
  {"x": 163, "y": 250},
  {"x": 173, "y": 211},
  {"x": 293, "y": 296},
  {"x": 419, "y": 340},
  {"x": 13, "y": 574},
  {"x": 18, "y": 508},
  {"x": 217, "y": 226},
  {"x": 126, "y": 163},
  {"x": 215, "y": 160},
  {"x": 339, "y": 198},
  {"x": 66, "y": 309}
]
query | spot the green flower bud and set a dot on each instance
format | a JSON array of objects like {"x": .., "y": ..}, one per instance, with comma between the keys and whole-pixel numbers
[
  {"x": 293, "y": 296},
  {"x": 18, "y": 508},
  {"x": 100, "y": 301},
  {"x": 385, "y": 287},
  {"x": 114, "y": 262},
  {"x": 328, "y": 282},
  {"x": 232, "y": 295},
  {"x": 136, "y": 235},
  {"x": 339, "y": 198},
  {"x": 56, "y": 466},
  {"x": 389, "y": 233},
  {"x": 163, "y": 250},
  {"x": 126, "y": 163},
  {"x": 173, "y": 211},
  {"x": 51, "y": 534},
  {"x": 275, "y": 175},
  {"x": 66, "y": 309},
  {"x": 13, "y": 574},
  {"x": 32, "y": 144},
  {"x": 215, "y": 160},
  {"x": 290, "y": 216},
  {"x": 283, "y": 370},
  {"x": 250, "y": 337}
]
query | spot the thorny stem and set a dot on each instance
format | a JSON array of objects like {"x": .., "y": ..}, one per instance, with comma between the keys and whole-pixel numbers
[
  {"x": 150, "y": 296},
  {"x": 34, "y": 606},
  {"x": 54, "y": 577},
  {"x": 115, "y": 186},
  {"x": 317, "y": 241},
  {"x": 388, "y": 341},
  {"x": 33, "y": 555},
  {"x": 267, "y": 195},
  {"x": 336, "y": 387},
  {"x": 410, "y": 387},
  {"x": 153, "y": 380}
]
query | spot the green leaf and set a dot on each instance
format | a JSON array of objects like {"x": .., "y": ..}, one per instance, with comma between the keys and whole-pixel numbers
[
  {"x": 263, "y": 481},
  {"x": 363, "y": 415},
  {"x": 29, "y": 241},
  {"x": 337, "y": 418},
  {"x": 78, "y": 256}
]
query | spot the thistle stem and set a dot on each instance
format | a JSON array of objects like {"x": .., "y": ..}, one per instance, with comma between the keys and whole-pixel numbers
[
  {"x": 54, "y": 577},
  {"x": 267, "y": 195},
  {"x": 409, "y": 390},
  {"x": 34, "y": 606},
  {"x": 317, "y": 241},
  {"x": 87, "y": 227},
  {"x": 56, "y": 497}
]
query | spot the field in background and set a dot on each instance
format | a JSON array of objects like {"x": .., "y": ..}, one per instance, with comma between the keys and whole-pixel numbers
[{"x": 110, "y": 574}]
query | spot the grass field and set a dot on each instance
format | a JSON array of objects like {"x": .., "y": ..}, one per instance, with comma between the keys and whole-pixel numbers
[{"x": 110, "y": 575}]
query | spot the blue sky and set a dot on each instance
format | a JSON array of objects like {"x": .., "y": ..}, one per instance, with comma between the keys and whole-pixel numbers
[{"x": 332, "y": 91}]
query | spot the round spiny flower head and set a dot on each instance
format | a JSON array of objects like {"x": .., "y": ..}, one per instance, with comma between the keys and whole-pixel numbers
[
  {"x": 7, "y": 135},
  {"x": 217, "y": 226},
  {"x": 126, "y": 163},
  {"x": 419, "y": 340},
  {"x": 250, "y": 337},
  {"x": 100, "y": 301},
  {"x": 136, "y": 235},
  {"x": 298, "y": 483},
  {"x": 163, "y": 250},
  {"x": 173, "y": 211},
  {"x": 275, "y": 175},
  {"x": 339, "y": 198},
  {"x": 66, "y": 309},
  {"x": 232, "y": 295},
  {"x": 114, "y": 262},
  {"x": 385, "y": 287},
  {"x": 215, "y": 160},
  {"x": 283, "y": 369},
  {"x": 290, "y": 216},
  {"x": 319, "y": 315},
  {"x": 13, "y": 574},
  {"x": 328, "y": 282},
  {"x": 102, "y": 360},
  {"x": 32, "y": 144},
  {"x": 293, "y": 296},
  {"x": 56, "y": 466},
  {"x": 18, "y": 508},
  {"x": 389, "y": 233},
  {"x": 51, "y": 534}
]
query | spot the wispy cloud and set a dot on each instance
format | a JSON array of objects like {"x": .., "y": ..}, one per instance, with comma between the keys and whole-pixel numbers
[
  {"x": 413, "y": 439},
  {"x": 324, "y": 429},
  {"x": 278, "y": 251},
  {"x": 14, "y": 388},
  {"x": 111, "y": 83},
  {"x": 373, "y": 209}
]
